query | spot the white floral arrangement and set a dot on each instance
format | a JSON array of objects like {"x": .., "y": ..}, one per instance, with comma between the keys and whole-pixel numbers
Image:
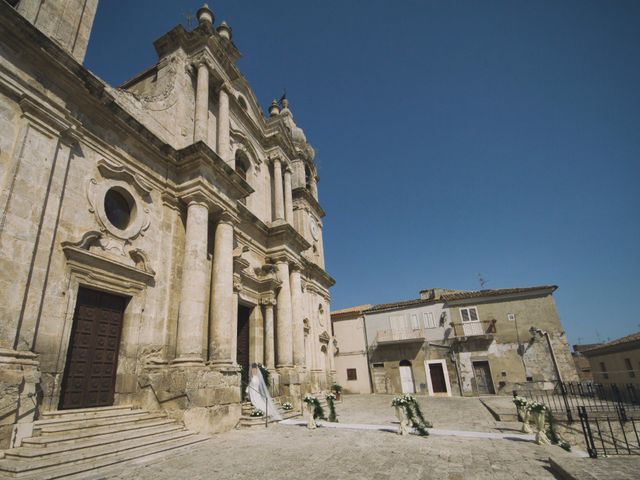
[
  {"x": 310, "y": 399},
  {"x": 398, "y": 401},
  {"x": 287, "y": 406},
  {"x": 520, "y": 402},
  {"x": 330, "y": 396},
  {"x": 256, "y": 413},
  {"x": 537, "y": 407}
]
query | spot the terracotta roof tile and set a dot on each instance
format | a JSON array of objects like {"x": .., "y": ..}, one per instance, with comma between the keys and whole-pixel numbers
[
  {"x": 356, "y": 309},
  {"x": 494, "y": 293},
  {"x": 634, "y": 337}
]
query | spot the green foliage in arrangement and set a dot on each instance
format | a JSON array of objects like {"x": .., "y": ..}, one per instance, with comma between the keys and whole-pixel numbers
[{"x": 332, "y": 408}]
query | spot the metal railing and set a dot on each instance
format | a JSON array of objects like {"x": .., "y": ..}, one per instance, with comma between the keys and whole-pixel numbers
[
  {"x": 266, "y": 403},
  {"x": 597, "y": 399},
  {"x": 609, "y": 436}
]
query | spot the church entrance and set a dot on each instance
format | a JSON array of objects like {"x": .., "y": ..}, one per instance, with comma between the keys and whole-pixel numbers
[
  {"x": 92, "y": 358},
  {"x": 242, "y": 350}
]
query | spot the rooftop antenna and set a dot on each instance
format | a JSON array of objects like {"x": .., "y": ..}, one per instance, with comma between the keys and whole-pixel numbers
[
  {"x": 189, "y": 16},
  {"x": 482, "y": 281}
]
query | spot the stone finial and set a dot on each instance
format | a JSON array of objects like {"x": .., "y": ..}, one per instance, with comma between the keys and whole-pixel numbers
[
  {"x": 205, "y": 15},
  {"x": 274, "y": 109},
  {"x": 224, "y": 30}
]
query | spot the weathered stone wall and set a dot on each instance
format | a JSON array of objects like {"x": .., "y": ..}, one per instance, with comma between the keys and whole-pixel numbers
[{"x": 516, "y": 356}]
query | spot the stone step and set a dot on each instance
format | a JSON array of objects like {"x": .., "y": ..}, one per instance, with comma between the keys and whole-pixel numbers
[
  {"x": 98, "y": 422},
  {"x": 80, "y": 435},
  {"x": 84, "y": 411},
  {"x": 247, "y": 421},
  {"x": 95, "y": 468},
  {"x": 80, "y": 417},
  {"x": 41, "y": 450},
  {"x": 18, "y": 466}
]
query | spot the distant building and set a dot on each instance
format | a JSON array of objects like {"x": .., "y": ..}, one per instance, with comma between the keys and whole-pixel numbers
[
  {"x": 583, "y": 367},
  {"x": 452, "y": 342},
  {"x": 351, "y": 360},
  {"x": 617, "y": 361}
]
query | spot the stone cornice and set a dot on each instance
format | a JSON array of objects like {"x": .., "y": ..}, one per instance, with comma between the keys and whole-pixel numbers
[
  {"x": 198, "y": 160},
  {"x": 304, "y": 194},
  {"x": 313, "y": 271},
  {"x": 284, "y": 235}
]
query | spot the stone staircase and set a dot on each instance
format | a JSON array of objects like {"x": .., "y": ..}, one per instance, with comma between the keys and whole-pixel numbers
[
  {"x": 88, "y": 443},
  {"x": 246, "y": 420}
]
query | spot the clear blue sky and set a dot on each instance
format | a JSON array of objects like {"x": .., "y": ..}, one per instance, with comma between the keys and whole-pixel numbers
[{"x": 452, "y": 138}]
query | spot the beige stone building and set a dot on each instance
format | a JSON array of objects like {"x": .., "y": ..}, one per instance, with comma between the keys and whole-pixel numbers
[
  {"x": 352, "y": 358},
  {"x": 451, "y": 342},
  {"x": 617, "y": 361},
  {"x": 156, "y": 237}
]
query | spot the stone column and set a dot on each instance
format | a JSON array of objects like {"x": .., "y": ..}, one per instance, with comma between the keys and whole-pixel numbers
[
  {"x": 284, "y": 354},
  {"x": 223, "y": 124},
  {"x": 269, "y": 347},
  {"x": 288, "y": 199},
  {"x": 296, "y": 310},
  {"x": 194, "y": 284},
  {"x": 221, "y": 304},
  {"x": 201, "y": 122},
  {"x": 277, "y": 185}
]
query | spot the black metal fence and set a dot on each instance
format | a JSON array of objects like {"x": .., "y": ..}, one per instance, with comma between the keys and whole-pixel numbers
[
  {"x": 597, "y": 399},
  {"x": 609, "y": 436}
]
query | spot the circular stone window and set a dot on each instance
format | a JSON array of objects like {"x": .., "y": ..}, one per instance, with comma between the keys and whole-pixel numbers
[{"x": 118, "y": 206}]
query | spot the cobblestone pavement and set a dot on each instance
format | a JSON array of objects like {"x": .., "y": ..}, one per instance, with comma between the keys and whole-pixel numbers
[{"x": 293, "y": 452}]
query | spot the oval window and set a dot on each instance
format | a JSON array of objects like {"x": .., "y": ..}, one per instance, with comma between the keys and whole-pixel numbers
[{"x": 117, "y": 206}]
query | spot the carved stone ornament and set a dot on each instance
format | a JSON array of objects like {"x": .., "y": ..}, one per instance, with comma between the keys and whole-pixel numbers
[
  {"x": 134, "y": 190},
  {"x": 324, "y": 337}
]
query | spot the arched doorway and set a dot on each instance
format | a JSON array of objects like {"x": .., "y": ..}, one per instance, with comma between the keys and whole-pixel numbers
[{"x": 406, "y": 377}]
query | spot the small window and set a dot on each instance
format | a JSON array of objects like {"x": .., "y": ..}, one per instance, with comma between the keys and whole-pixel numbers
[
  {"x": 429, "y": 321},
  {"x": 603, "y": 369},
  {"x": 414, "y": 322},
  {"x": 378, "y": 365},
  {"x": 511, "y": 317},
  {"x": 627, "y": 364},
  {"x": 352, "y": 374},
  {"x": 469, "y": 314}
]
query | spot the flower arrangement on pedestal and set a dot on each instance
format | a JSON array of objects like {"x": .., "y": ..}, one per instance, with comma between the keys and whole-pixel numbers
[
  {"x": 314, "y": 410},
  {"x": 256, "y": 413},
  {"x": 522, "y": 406},
  {"x": 408, "y": 412},
  {"x": 331, "y": 397},
  {"x": 337, "y": 389},
  {"x": 538, "y": 411},
  {"x": 286, "y": 406}
]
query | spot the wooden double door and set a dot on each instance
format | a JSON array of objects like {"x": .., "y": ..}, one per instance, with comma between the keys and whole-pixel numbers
[
  {"x": 484, "y": 382},
  {"x": 92, "y": 358}
]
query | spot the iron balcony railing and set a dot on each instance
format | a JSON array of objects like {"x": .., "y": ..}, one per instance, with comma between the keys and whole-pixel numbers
[
  {"x": 606, "y": 436},
  {"x": 400, "y": 335}
]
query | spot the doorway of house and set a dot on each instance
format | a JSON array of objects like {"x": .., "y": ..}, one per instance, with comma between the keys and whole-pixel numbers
[
  {"x": 406, "y": 377},
  {"x": 242, "y": 348},
  {"x": 438, "y": 381},
  {"x": 92, "y": 358},
  {"x": 484, "y": 382}
]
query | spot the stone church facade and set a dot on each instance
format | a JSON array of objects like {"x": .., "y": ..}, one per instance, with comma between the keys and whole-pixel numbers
[{"x": 155, "y": 238}]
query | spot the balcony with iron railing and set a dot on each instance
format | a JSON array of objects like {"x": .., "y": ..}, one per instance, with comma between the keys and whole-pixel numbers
[
  {"x": 480, "y": 328},
  {"x": 400, "y": 335}
]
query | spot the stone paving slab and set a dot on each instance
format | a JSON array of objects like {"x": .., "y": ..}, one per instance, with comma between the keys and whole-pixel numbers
[
  {"x": 616, "y": 468},
  {"x": 432, "y": 431}
]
